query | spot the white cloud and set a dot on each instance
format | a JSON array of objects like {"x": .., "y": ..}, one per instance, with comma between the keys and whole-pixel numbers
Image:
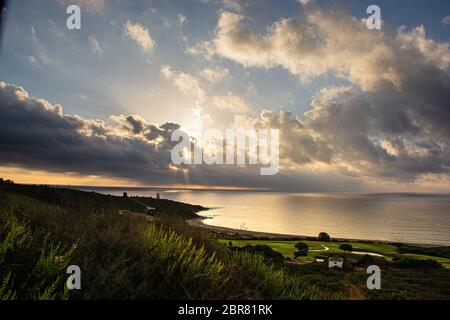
[
  {"x": 181, "y": 19},
  {"x": 95, "y": 47},
  {"x": 187, "y": 83},
  {"x": 232, "y": 103},
  {"x": 328, "y": 42},
  {"x": 305, "y": 2},
  {"x": 31, "y": 59},
  {"x": 435, "y": 52},
  {"x": 215, "y": 74},
  {"x": 204, "y": 49},
  {"x": 41, "y": 51},
  {"x": 140, "y": 34},
  {"x": 190, "y": 85},
  {"x": 236, "y": 43}
]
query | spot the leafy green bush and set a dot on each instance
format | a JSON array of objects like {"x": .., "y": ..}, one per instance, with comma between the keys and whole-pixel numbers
[
  {"x": 30, "y": 269},
  {"x": 302, "y": 250},
  {"x": 346, "y": 247}
]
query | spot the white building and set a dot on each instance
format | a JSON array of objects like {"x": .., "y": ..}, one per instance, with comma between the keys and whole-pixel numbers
[{"x": 335, "y": 261}]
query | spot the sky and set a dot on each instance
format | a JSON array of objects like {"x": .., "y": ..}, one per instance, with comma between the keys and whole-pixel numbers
[{"x": 357, "y": 109}]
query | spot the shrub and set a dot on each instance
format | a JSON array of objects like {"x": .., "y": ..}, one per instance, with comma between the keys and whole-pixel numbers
[
  {"x": 346, "y": 247},
  {"x": 29, "y": 268},
  {"x": 255, "y": 279},
  {"x": 265, "y": 251},
  {"x": 302, "y": 250}
]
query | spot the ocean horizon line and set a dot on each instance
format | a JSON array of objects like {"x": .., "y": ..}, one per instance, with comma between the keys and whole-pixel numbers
[{"x": 366, "y": 193}]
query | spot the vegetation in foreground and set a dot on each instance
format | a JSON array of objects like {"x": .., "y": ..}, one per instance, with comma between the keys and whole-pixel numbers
[
  {"x": 43, "y": 230},
  {"x": 122, "y": 256}
]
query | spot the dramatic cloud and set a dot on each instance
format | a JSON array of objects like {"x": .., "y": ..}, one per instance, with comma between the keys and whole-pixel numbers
[
  {"x": 36, "y": 134},
  {"x": 386, "y": 120},
  {"x": 329, "y": 42},
  {"x": 297, "y": 144},
  {"x": 391, "y": 122},
  {"x": 140, "y": 34},
  {"x": 378, "y": 136},
  {"x": 357, "y": 135}
]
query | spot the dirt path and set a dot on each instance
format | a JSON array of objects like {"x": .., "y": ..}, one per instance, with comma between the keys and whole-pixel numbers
[
  {"x": 143, "y": 204},
  {"x": 137, "y": 214}
]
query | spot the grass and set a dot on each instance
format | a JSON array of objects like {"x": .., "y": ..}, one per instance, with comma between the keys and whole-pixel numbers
[{"x": 406, "y": 284}]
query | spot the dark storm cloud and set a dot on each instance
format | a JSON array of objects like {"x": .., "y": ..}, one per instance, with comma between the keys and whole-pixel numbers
[
  {"x": 381, "y": 138},
  {"x": 37, "y": 135}
]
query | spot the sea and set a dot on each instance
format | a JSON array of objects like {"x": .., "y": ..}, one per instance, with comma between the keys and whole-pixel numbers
[{"x": 396, "y": 217}]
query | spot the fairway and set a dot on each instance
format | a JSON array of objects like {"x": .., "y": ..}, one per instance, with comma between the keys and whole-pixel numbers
[{"x": 317, "y": 248}]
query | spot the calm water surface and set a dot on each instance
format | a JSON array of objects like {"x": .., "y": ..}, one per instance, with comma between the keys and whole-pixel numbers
[{"x": 413, "y": 218}]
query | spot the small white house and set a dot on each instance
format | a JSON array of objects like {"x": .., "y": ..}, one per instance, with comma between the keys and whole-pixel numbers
[{"x": 335, "y": 261}]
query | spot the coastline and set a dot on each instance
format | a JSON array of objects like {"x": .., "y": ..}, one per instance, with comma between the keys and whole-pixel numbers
[
  {"x": 261, "y": 235},
  {"x": 198, "y": 222}
]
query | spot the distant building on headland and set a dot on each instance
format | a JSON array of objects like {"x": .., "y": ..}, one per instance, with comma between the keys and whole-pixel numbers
[
  {"x": 335, "y": 261},
  {"x": 125, "y": 195},
  {"x": 157, "y": 196},
  {"x": 7, "y": 181}
]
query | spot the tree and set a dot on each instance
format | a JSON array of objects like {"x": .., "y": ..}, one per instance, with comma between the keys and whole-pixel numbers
[
  {"x": 302, "y": 250},
  {"x": 323, "y": 236},
  {"x": 346, "y": 247}
]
